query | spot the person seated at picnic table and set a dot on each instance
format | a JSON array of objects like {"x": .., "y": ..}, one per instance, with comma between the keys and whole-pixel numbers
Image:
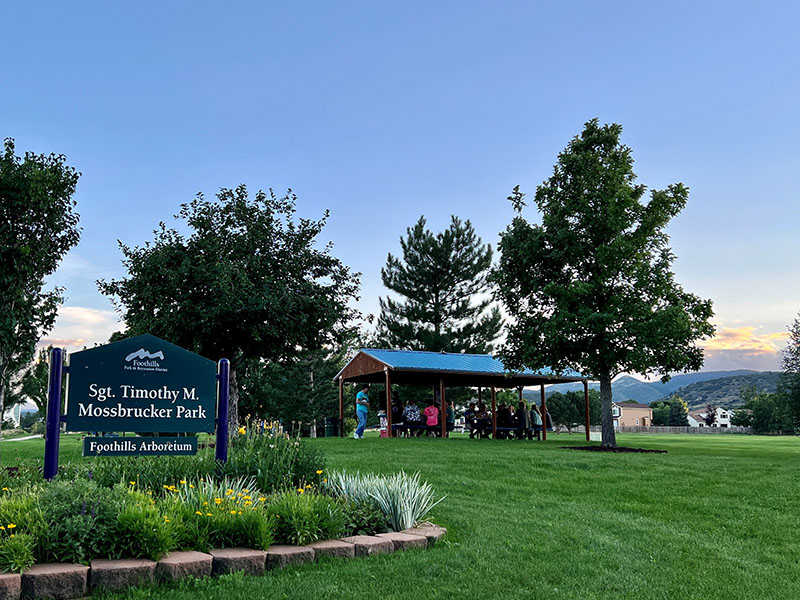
[
  {"x": 483, "y": 421},
  {"x": 523, "y": 420},
  {"x": 503, "y": 419},
  {"x": 450, "y": 416},
  {"x": 397, "y": 410},
  {"x": 536, "y": 420},
  {"x": 432, "y": 415},
  {"x": 411, "y": 416},
  {"x": 470, "y": 419}
]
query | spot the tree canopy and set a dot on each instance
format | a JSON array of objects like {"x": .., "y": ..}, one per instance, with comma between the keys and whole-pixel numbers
[
  {"x": 791, "y": 371},
  {"x": 591, "y": 287},
  {"x": 249, "y": 281},
  {"x": 38, "y": 226},
  {"x": 442, "y": 280}
]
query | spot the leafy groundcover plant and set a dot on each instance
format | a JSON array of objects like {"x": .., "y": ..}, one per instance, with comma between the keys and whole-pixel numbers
[{"x": 402, "y": 498}]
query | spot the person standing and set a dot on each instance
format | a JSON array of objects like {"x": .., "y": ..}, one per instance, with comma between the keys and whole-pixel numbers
[{"x": 362, "y": 409}]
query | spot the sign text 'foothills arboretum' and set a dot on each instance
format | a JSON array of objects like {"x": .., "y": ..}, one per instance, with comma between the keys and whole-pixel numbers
[
  {"x": 139, "y": 446},
  {"x": 141, "y": 384}
]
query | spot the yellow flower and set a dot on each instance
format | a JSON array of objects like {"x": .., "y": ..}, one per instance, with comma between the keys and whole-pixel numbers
[
  {"x": 325, "y": 480},
  {"x": 11, "y": 526},
  {"x": 240, "y": 512},
  {"x": 308, "y": 485},
  {"x": 242, "y": 430},
  {"x": 166, "y": 487},
  {"x": 261, "y": 499},
  {"x": 229, "y": 492},
  {"x": 12, "y": 535},
  {"x": 3, "y": 528},
  {"x": 6, "y": 490},
  {"x": 191, "y": 486},
  {"x": 132, "y": 482},
  {"x": 245, "y": 491},
  {"x": 247, "y": 498},
  {"x": 197, "y": 512},
  {"x": 248, "y": 503},
  {"x": 319, "y": 471},
  {"x": 300, "y": 491},
  {"x": 166, "y": 519},
  {"x": 205, "y": 503},
  {"x": 233, "y": 512},
  {"x": 183, "y": 481},
  {"x": 209, "y": 515},
  {"x": 218, "y": 500}
]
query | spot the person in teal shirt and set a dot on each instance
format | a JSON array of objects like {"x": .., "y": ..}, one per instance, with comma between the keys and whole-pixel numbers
[{"x": 362, "y": 409}]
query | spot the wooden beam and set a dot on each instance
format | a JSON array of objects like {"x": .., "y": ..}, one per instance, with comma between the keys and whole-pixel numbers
[
  {"x": 586, "y": 398},
  {"x": 341, "y": 407},
  {"x": 442, "y": 408},
  {"x": 494, "y": 413},
  {"x": 544, "y": 416},
  {"x": 388, "y": 403}
]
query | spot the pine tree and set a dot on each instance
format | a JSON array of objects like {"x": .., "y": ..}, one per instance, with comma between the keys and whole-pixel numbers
[{"x": 446, "y": 303}]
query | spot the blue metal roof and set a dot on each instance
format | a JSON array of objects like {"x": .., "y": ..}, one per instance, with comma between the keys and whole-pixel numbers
[{"x": 479, "y": 364}]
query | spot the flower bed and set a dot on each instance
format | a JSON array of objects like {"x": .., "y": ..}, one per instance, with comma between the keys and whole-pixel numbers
[{"x": 274, "y": 493}]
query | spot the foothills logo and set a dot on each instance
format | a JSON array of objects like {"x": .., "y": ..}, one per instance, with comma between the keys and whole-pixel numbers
[{"x": 143, "y": 360}]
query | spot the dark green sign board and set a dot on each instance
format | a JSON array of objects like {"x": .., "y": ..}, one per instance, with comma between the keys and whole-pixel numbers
[
  {"x": 141, "y": 384},
  {"x": 139, "y": 446}
]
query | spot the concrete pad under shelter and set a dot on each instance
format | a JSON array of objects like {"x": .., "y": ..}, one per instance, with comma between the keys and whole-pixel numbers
[
  {"x": 367, "y": 545},
  {"x": 59, "y": 581},
  {"x": 231, "y": 560},
  {"x": 178, "y": 565}
]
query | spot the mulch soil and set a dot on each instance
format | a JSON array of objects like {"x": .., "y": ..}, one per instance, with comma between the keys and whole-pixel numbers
[{"x": 621, "y": 449}]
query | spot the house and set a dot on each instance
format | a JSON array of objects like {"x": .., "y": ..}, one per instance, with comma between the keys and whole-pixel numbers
[
  {"x": 697, "y": 418},
  {"x": 631, "y": 414}
]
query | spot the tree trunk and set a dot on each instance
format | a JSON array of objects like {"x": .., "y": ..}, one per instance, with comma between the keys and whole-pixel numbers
[
  {"x": 2, "y": 401},
  {"x": 609, "y": 436},
  {"x": 233, "y": 405}
]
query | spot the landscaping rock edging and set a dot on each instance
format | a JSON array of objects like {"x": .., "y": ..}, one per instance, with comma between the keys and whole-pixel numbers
[{"x": 64, "y": 581}]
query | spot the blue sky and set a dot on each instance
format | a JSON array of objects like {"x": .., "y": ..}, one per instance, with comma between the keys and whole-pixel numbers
[{"x": 383, "y": 112}]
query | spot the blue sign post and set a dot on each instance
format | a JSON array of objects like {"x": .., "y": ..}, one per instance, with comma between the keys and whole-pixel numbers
[{"x": 142, "y": 384}]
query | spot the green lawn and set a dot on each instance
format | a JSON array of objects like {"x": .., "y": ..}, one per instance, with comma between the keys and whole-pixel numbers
[{"x": 716, "y": 517}]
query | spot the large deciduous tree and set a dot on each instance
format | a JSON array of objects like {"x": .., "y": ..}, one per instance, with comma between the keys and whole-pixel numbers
[
  {"x": 249, "y": 281},
  {"x": 38, "y": 225},
  {"x": 591, "y": 288},
  {"x": 445, "y": 301}
]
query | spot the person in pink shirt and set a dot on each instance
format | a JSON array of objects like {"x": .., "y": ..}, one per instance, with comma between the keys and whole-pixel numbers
[{"x": 432, "y": 415}]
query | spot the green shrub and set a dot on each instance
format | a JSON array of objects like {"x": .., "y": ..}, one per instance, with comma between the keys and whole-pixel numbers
[
  {"x": 16, "y": 552},
  {"x": 278, "y": 462},
  {"x": 230, "y": 525},
  {"x": 142, "y": 532},
  {"x": 401, "y": 497},
  {"x": 81, "y": 518},
  {"x": 149, "y": 472},
  {"x": 301, "y": 518},
  {"x": 364, "y": 518}
]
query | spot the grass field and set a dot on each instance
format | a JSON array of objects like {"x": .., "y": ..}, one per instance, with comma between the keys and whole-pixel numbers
[{"x": 716, "y": 517}]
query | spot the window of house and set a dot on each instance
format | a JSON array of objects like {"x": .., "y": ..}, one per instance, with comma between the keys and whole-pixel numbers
[{"x": 637, "y": 421}]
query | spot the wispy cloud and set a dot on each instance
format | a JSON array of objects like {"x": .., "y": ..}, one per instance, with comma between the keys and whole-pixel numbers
[
  {"x": 744, "y": 348},
  {"x": 78, "y": 326}
]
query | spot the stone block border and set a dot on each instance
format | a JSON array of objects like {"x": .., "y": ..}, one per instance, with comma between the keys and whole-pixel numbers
[{"x": 60, "y": 581}]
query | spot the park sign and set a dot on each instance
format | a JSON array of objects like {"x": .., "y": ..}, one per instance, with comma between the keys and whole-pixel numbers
[{"x": 141, "y": 384}]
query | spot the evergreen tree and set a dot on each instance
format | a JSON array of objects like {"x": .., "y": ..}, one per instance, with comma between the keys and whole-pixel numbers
[
  {"x": 442, "y": 280},
  {"x": 791, "y": 372},
  {"x": 591, "y": 288}
]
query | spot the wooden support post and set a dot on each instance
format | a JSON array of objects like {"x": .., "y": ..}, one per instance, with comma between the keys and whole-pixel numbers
[
  {"x": 586, "y": 398},
  {"x": 494, "y": 413},
  {"x": 544, "y": 417},
  {"x": 520, "y": 393},
  {"x": 388, "y": 403},
  {"x": 480, "y": 399},
  {"x": 341, "y": 407},
  {"x": 442, "y": 408}
]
